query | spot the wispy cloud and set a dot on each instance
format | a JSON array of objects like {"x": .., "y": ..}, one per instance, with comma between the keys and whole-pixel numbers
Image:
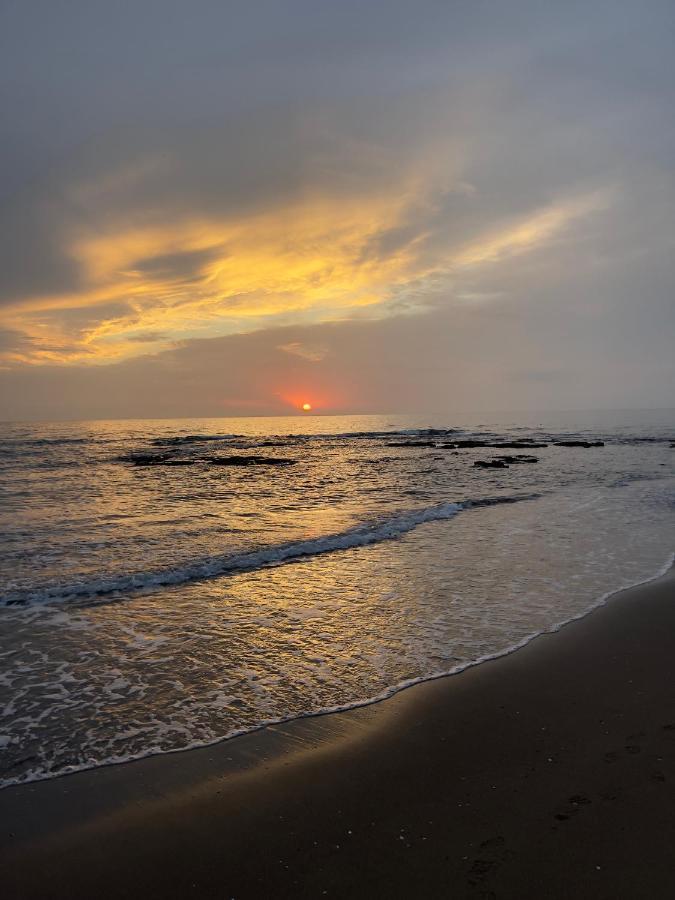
[
  {"x": 310, "y": 352},
  {"x": 142, "y": 288}
]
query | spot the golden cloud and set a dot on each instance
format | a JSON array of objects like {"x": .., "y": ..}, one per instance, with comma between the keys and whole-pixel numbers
[{"x": 146, "y": 288}]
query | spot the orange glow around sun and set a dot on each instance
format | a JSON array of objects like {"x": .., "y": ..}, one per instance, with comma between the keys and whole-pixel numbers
[{"x": 304, "y": 399}]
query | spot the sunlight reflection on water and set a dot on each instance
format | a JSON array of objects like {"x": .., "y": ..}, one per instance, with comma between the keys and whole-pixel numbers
[{"x": 150, "y": 671}]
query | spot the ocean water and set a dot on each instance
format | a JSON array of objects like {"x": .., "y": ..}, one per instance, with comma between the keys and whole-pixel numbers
[{"x": 150, "y": 608}]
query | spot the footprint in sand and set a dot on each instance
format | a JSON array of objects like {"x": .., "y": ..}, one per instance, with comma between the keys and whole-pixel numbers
[
  {"x": 574, "y": 805},
  {"x": 493, "y": 854}
]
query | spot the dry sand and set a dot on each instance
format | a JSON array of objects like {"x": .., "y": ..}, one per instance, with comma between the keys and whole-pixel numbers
[{"x": 549, "y": 773}]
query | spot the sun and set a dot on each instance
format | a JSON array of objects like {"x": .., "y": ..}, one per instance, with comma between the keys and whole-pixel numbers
[{"x": 307, "y": 407}]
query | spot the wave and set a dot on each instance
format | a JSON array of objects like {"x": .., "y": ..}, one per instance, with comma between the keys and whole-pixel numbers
[
  {"x": 181, "y": 439},
  {"x": 12, "y": 443},
  {"x": 96, "y": 590},
  {"x": 192, "y": 439},
  {"x": 508, "y": 649}
]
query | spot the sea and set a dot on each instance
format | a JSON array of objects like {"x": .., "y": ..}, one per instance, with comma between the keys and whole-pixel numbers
[{"x": 168, "y": 584}]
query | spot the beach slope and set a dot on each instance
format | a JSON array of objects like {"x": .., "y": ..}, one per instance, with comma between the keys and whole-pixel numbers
[{"x": 546, "y": 773}]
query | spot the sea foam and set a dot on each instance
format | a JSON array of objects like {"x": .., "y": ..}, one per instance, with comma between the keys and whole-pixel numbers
[{"x": 211, "y": 567}]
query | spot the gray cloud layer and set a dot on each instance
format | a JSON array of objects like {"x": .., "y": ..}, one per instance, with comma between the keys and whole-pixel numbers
[{"x": 133, "y": 117}]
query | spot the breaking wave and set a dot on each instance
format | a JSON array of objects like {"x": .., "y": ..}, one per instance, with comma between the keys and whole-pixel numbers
[{"x": 214, "y": 566}]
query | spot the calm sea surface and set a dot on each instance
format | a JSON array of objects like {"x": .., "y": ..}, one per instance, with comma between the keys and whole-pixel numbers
[{"x": 154, "y": 599}]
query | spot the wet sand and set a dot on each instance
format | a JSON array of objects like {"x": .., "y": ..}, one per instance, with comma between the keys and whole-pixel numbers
[{"x": 549, "y": 773}]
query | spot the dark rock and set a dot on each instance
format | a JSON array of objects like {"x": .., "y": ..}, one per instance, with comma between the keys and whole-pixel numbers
[
  {"x": 494, "y": 445},
  {"x": 250, "y": 461},
  {"x": 517, "y": 445},
  {"x": 518, "y": 459},
  {"x": 490, "y": 464},
  {"x": 578, "y": 443},
  {"x": 157, "y": 459},
  {"x": 185, "y": 439},
  {"x": 466, "y": 445},
  {"x": 412, "y": 444},
  {"x": 165, "y": 459},
  {"x": 472, "y": 445},
  {"x": 177, "y": 462}
]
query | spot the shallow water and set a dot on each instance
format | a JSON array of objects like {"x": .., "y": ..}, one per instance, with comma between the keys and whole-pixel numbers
[{"x": 152, "y": 608}]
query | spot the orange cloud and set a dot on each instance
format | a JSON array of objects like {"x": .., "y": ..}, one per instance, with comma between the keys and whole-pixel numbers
[{"x": 148, "y": 288}]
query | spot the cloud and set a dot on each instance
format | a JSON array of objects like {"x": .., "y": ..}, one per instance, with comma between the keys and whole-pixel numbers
[
  {"x": 304, "y": 351},
  {"x": 452, "y": 362},
  {"x": 322, "y": 258},
  {"x": 262, "y": 167}
]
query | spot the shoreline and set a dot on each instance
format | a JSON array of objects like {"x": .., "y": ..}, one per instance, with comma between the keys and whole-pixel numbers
[
  {"x": 386, "y": 694},
  {"x": 287, "y": 791}
]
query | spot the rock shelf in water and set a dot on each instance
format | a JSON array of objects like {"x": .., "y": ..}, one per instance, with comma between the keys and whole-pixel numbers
[
  {"x": 164, "y": 459},
  {"x": 578, "y": 443}
]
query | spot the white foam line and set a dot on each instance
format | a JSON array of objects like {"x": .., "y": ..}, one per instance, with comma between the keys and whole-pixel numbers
[
  {"x": 345, "y": 707},
  {"x": 211, "y": 567}
]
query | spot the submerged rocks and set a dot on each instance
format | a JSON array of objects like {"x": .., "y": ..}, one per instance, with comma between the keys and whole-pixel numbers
[
  {"x": 177, "y": 440},
  {"x": 465, "y": 445},
  {"x": 503, "y": 462},
  {"x": 157, "y": 459},
  {"x": 517, "y": 445},
  {"x": 471, "y": 445},
  {"x": 414, "y": 444},
  {"x": 250, "y": 461},
  {"x": 165, "y": 459},
  {"x": 490, "y": 464},
  {"x": 578, "y": 443},
  {"x": 496, "y": 445}
]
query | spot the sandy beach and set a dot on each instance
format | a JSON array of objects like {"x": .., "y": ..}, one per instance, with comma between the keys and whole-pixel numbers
[{"x": 546, "y": 773}]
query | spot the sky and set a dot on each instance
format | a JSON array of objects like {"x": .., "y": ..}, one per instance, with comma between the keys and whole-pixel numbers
[{"x": 233, "y": 208}]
